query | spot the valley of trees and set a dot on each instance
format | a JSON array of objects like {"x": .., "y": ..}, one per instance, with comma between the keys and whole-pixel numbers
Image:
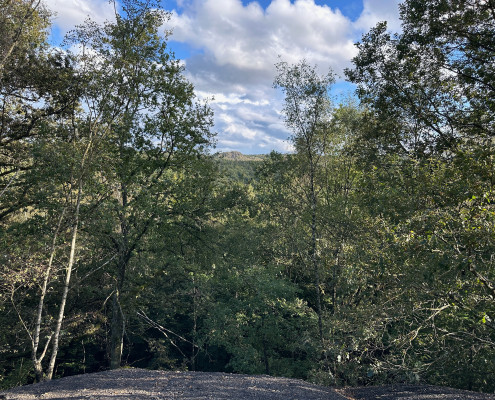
[{"x": 367, "y": 256}]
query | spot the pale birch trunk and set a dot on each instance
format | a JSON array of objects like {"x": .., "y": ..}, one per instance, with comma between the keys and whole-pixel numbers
[
  {"x": 38, "y": 369},
  {"x": 56, "y": 334},
  {"x": 314, "y": 249},
  {"x": 70, "y": 264}
]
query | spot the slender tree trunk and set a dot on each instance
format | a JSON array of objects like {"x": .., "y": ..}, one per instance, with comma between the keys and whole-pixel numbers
[
  {"x": 56, "y": 334},
  {"x": 117, "y": 325},
  {"x": 125, "y": 248},
  {"x": 38, "y": 369},
  {"x": 195, "y": 326},
  {"x": 336, "y": 275},
  {"x": 314, "y": 249},
  {"x": 117, "y": 332},
  {"x": 72, "y": 255},
  {"x": 265, "y": 348}
]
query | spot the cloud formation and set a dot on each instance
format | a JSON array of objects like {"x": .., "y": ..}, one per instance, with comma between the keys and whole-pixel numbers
[
  {"x": 234, "y": 48},
  {"x": 251, "y": 38},
  {"x": 377, "y": 11},
  {"x": 238, "y": 45},
  {"x": 69, "y": 13}
]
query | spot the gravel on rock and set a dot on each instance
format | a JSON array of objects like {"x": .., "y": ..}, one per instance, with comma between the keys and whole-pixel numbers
[
  {"x": 412, "y": 392},
  {"x": 141, "y": 384}
]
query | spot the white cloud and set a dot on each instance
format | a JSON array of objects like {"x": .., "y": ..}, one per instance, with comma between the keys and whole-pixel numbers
[
  {"x": 234, "y": 49},
  {"x": 255, "y": 127},
  {"x": 377, "y": 11},
  {"x": 69, "y": 13},
  {"x": 251, "y": 39},
  {"x": 238, "y": 47}
]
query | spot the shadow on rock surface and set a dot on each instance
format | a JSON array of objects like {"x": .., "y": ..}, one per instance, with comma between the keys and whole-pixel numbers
[
  {"x": 409, "y": 392},
  {"x": 140, "y": 384}
]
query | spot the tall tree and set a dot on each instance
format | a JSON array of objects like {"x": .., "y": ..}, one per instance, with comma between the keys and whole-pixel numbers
[
  {"x": 430, "y": 147},
  {"x": 156, "y": 129},
  {"x": 38, "y": 93},
  {"x": 307, "y": 109}
]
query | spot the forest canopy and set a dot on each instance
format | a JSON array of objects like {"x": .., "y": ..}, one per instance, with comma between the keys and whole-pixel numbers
[{"x": 365, "y": 256}]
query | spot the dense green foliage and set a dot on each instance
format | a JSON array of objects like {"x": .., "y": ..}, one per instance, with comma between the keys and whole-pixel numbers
[{"x": 365, "y": 257}]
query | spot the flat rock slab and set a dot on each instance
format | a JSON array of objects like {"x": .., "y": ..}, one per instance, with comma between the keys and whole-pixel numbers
[
  {"x": 141, "y": 384},
  {"x": 412, "y": 392}
]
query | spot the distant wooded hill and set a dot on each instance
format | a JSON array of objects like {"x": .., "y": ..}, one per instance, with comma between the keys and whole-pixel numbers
[
  {"x": 239, "y": 167},
  {"x": 238, "y": 156}
]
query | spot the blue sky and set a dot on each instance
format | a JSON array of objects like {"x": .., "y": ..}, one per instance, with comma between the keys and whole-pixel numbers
[{"x": 229, "y": 48}]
